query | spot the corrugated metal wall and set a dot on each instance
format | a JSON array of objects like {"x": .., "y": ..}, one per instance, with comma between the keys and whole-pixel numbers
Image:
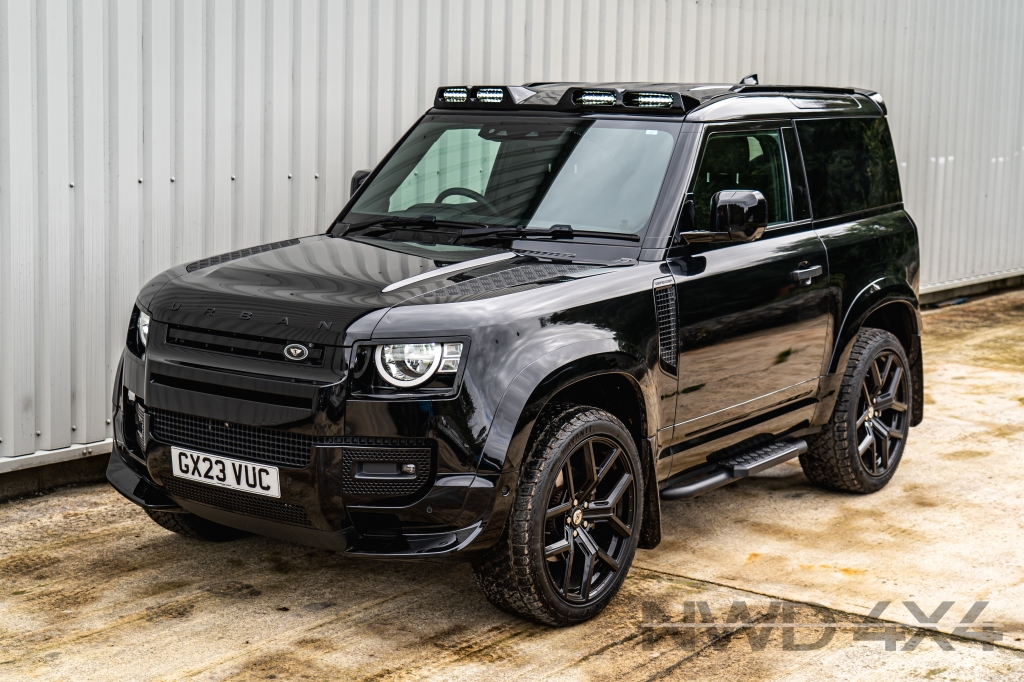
[{"x": 135, "y": 134}]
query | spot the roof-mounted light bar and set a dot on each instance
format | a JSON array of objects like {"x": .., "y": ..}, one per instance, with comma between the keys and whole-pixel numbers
[
  {"x": 512, "y": 97},
  {"x": 482, "y": 96},
  {"x": 454, "y": 95},
  {"x": 659, "y": 100},
  {"x": 490, "y": 95},
  {"x": 595, "y": 98}
]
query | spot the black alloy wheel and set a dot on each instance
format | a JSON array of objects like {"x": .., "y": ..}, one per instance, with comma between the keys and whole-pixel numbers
[
  {"x": 574, "y": 524},
  {"x": 590, "y": 520},
  {"x": 883, "y": 419},
  {"x": 861, "y": 445}
]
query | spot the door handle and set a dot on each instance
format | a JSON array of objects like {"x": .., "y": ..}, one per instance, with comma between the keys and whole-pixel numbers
[{"x": 805, "y": 275}]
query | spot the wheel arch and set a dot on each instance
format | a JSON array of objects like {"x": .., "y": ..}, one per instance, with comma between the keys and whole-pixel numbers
[
  {"x": 888, "y": 304},
  {"x": 594, "y": 373}
]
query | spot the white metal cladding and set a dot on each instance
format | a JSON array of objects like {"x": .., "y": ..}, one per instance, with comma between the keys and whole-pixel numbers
[{"x": 137, "y": 134}]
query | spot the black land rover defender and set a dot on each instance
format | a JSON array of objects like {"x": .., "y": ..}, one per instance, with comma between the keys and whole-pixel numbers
[{"x": 548, "y": 309}]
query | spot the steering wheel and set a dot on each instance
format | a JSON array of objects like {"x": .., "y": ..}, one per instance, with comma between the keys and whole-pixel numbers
[{"x": 465, "y": 192}]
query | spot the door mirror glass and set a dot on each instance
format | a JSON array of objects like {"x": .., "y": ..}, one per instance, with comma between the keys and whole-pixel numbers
[
  {"x": 737, "y": 215},
  {"x": 740, "y": 213},
  {"x": 357, "y": 179}
]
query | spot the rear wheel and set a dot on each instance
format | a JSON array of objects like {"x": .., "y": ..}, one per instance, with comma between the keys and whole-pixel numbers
[
  {"x": 860, "y": 447},
  {"x": 195, "y": 527},
  {"x": 575, "y": 523}
]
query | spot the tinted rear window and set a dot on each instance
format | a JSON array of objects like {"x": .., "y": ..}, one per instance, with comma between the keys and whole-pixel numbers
[{"x": 850, "y": 163}]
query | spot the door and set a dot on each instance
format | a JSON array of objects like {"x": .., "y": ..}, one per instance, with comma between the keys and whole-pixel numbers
[{"x": 752, "y": 316}]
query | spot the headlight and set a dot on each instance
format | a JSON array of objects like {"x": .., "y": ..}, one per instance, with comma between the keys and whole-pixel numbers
[
  {"x": 143, "y": 328},
  {"x": 411, "y": 364}
]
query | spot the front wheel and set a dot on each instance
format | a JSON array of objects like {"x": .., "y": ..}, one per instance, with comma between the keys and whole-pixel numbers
[
  {"x": 860, "y": 447},
  {"x": 575, "y": 523}
]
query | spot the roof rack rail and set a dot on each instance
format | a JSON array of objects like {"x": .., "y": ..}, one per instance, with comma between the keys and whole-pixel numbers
[{"x": 793, "y": 89}]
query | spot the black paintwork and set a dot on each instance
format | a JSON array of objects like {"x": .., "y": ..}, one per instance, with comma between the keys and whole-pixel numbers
[{"x": 760, "y": 354}]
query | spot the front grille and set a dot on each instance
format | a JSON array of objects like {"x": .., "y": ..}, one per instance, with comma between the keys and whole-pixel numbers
[
  {"x": 245, "y": 345},
  {"x": 208, "y": 435},
  {"x": 239, "y": 503},
  {"x": 241, "y": 253},
  {"x": 665, "y": 307},
  {"x": 354, "y": 483}
]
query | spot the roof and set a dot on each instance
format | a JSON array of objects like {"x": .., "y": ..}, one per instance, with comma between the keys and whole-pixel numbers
[{"x": 693, "y": 100}]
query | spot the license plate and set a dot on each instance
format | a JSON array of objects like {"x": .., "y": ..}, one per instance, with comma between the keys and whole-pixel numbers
[{"x": 226, "y": 472}]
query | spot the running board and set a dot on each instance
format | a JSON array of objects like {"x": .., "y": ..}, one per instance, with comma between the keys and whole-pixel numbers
[{"x": 740, "y": 466}]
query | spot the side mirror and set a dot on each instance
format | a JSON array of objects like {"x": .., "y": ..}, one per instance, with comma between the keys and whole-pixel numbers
[
  {"x": 357, "y": 180},
  {"x": 737, "y": 215}
]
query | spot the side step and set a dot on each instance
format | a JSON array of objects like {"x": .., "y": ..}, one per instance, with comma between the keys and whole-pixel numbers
[{"x": 740, "y": 466}]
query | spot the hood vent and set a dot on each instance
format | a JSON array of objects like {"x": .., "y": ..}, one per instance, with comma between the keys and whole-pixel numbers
[
  {"x": 485, "y": 285},
  {"x": 241, "y": 253}
]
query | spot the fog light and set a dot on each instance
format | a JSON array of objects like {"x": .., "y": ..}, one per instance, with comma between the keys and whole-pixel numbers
[{"x": 409, "y": 469}]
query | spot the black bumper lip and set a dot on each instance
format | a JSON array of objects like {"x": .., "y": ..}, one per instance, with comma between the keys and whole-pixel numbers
[
  {"x": 135, "y": 487},
  {"x": 335, "y": 540},
  {"x": 402, "y": 546}
]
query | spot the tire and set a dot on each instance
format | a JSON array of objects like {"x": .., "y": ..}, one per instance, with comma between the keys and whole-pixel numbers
[
  {"x": 583, "y": 468},
  {"x": 860, "y": 447},
  {"x": 195, "y": 527}
]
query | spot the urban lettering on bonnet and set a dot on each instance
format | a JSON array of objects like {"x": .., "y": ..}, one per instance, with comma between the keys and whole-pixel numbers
[{"x": 549, "y": 310}]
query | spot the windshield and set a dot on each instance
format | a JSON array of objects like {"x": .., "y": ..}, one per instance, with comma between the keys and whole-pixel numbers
[{"x": 591, "y": 174}]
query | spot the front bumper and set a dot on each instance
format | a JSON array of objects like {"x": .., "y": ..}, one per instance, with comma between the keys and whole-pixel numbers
[
  {"x": 124, "y": 477},
  {"x": 321, "y": 504}
]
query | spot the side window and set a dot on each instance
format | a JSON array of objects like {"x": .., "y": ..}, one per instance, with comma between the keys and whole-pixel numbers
[
  {"x": 851, "y": 165},
  {"x": 748, "y": 160},
  {"x": 459, "y": 158},
  {"x": 797, "y": 179}
]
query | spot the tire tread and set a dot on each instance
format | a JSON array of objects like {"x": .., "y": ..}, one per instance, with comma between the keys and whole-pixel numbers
[
  {"x": 828, "y": 460},
  {"x": 507, "y": 573}
]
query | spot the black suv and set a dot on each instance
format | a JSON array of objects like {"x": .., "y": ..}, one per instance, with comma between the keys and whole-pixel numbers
[{"x": 549, "y": 308}]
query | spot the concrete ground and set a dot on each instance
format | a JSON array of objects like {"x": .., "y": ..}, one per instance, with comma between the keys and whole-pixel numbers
[{"x": 90, "y": 589}]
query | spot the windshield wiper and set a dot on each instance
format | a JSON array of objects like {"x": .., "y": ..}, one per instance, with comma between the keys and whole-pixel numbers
[
  {"x": 424, "y": 221},
  {"x": 480, "y": 231},
  {"x": 553, "y": 232}
]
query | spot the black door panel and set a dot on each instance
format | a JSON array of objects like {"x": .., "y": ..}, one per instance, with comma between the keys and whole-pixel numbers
[
  {"x": 752, "y": 336},
  {"x": 753, "y": 316}
]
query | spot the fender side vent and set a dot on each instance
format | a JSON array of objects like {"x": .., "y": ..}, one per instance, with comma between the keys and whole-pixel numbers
[{"x": 668, "y": 329}]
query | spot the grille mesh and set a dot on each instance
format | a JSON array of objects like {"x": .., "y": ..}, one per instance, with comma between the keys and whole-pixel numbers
[
  {"x": 364, "y": 486},
  {"x": 239, "y": 503},
  {"x": 268, "y": 445},
  {"x": 241, "y": 253},
  {"x": 665, "y": 306},
  {"x": 252, "y": 442}
]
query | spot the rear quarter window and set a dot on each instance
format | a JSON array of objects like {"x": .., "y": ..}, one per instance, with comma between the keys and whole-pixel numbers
[{"x": 850, "y": 163}]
